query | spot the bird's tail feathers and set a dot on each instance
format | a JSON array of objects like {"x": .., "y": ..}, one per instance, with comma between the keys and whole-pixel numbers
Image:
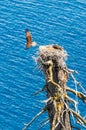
[{"x": 34, "y": 43}]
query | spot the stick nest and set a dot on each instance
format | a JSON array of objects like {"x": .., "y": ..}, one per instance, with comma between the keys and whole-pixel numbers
[{"x": 52, "y": 52}]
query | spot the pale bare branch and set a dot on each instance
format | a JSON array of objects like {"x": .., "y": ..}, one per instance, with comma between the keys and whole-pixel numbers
[
  {"x": 45, "y": 123},
  {"x": 78, "y": 116},
  {"x": 79, "y": 94},
  {"x": 37, "y": 92},
  {"x": 27, "y": 125}
]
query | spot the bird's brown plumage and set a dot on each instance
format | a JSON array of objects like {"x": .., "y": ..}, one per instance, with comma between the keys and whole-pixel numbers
[
  {"x": 56, "y": 47},
  {"x": 28, "y": 39}
]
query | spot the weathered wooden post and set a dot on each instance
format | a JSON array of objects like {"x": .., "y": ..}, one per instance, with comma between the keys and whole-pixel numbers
[{"x": 51, "y": 60}]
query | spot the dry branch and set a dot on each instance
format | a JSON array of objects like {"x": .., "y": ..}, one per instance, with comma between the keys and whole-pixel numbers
[
  {"x": 78, "y": 116},
  {"x": 78, "y": 94},
  {"x": 34, "y": 118}
]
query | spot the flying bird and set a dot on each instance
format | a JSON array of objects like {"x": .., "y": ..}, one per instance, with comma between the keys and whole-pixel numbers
[{"x": 29, "y": 39}]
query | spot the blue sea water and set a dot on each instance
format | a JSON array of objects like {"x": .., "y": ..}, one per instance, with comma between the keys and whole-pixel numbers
[{"x": 50, "y": 21}]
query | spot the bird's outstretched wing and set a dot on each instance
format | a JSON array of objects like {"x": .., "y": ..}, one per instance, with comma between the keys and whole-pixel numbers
[{"x": 28, "y": 39}]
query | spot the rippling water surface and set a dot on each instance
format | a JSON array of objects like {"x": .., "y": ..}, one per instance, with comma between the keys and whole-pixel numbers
[{"x": 50, "y": 21}]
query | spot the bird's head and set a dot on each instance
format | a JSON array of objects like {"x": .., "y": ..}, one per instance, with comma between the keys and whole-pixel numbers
[{"x": 27, "y": 30}]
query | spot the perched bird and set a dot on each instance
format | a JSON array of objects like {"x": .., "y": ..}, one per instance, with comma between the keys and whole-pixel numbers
[
  {"x": 29, "y": 39},
  {"x": 50, "y": 47},
  {"x": 57, "y": 47}
]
